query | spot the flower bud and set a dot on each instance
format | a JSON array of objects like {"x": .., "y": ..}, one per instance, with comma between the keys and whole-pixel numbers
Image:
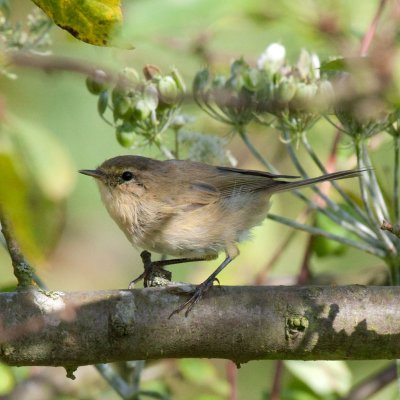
[
  {"x": 252, "y": 79},
  {"x": 315, "y": 71},
  {"x": 125, "y": 138},
  {"x": 150, "y": 96},
  {"x": 180, "y": 83},
  {"x": 305, "y": 93},
  {"x": 168, "y": 90},
  {"x": 141, "y": 110},
  {"x": 151, "y": 71},
  {"x": 97, "y": 82},
  {"x": 304, "y": 64},
  {"x": 180, "y": 120},
  {"x": 272, "y": 58},
  {"x": 131, "y": 75},
  {"x": 123, "y": 106},
  {"x": 325, "y": 94},
  {"x": 285, "y": 91}
]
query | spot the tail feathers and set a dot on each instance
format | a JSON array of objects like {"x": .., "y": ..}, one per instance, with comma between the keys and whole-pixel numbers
[{"x": 281, "y": 186}]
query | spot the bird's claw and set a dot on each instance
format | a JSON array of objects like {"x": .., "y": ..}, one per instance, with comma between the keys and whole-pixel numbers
[
  {"x": 152, "y": 271},
  {"x": 197, "y": 295},
  {"x": 134, "y": 281}
]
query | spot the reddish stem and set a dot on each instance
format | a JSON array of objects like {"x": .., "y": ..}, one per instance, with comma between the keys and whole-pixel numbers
[
  {"x": 277, "y": 381},
  {"x": 231, "y": 370},
  {"x": 369, "y": 35}
]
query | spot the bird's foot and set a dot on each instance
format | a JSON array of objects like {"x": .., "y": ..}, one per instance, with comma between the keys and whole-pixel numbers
[
  {"x": 196, "y": 296},
  {"x": 153, "y": 274}
]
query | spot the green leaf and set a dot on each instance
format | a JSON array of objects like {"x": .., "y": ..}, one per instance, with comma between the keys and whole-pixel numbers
[
  {"x": 92, "y": 21},
  {"x": 36, "y": 176},
  {"x": 6, "y": 380},
  {"x": 11, "y": 287},
  {"x": 154, "y": 386},
  {"x": 203, "y": 373},
  {"x": 336, "y": 65},
  {"x": 44, "y": 159},
  {"x": 197, "y": 371},
  {"x": 298, "y": 394},
  {"x": 208, "y": 397},
  {"x": 14, "y": 201},
  {"x": 323, "y": 377},
  {"x": 343, "y": 64}
]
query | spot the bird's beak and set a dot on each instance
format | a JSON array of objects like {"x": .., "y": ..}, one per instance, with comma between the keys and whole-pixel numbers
[{"x": 95, "y": 173}]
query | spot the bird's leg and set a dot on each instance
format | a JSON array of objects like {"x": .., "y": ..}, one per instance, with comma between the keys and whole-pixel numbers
[
  {"x": 202, "y": 288},
  {"x": 155, "y": 268}
]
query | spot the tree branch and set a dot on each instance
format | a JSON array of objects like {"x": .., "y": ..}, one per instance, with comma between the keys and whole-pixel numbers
[{"x": 237, "y": 323}]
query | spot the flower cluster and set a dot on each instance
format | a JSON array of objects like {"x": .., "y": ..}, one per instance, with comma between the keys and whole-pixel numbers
[
  {"x": 293, "y": 94},
  {"x": 142, "y": 108}
]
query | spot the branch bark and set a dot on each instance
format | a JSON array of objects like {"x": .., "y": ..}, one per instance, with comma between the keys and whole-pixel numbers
[{"x": 237, "y": 323}]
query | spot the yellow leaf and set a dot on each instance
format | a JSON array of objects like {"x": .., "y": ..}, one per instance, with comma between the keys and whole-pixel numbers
[
  {"x": 92, "y": 21},
  {"x": 35, "y": 178},
  {"x": 14, "y": 201}
]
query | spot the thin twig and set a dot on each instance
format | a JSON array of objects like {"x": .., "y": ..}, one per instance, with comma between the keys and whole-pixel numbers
[
  {"x": 371, "y": 385},
  {"x": 342, "y": 218},
  {"x": 322, "y": 168},
  {"x": 125, "y": 390},
  {"x": 336, "y": 126},
  {"x": 379, "y": 201},
  {"x": 393, "y": 228},
  {"x": 268, "y": 165},
  {"x": 22, "y": 270},
  {"x": 260, "y": 277},
  {"x": 232, "y": 379},
  {"x": 369, "y": 35},
  {"x": 305, "y": 272},
  {"x": 365, "y": 185},
  {"x": 277, "y": 381},
  {"x": 396, "y": 188},
  {"x": 114, "y": 379},
  {"x": 316, "y": 231},
  {"x": 355, "y": 226}
]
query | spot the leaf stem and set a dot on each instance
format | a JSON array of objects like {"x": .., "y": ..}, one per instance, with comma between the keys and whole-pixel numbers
[
  {"x": 364, "y": 188},
  {"x": 316, "y": 231},
  {"x": 322, "y": 168},
  {"x": 376, "y": 193},
  {"x": 342, "y": 218},
  {"x": 361, "y": 230}
]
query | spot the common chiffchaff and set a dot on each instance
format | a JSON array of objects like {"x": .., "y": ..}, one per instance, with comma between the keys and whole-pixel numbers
[{"x": 188, "y": 209}]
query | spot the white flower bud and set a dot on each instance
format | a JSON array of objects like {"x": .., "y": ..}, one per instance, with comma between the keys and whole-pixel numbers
[
  {"x": 315, "y": 65},
  {"x": 272, "y": 58}
]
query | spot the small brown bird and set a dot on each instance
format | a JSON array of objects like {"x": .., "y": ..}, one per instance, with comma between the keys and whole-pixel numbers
[{"x": 188, "y": 209}]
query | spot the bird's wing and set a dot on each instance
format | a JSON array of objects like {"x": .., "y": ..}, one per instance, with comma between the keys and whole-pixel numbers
[
  {"x": 256, "y": 173},
  {"x": 198, "y": 187},
  {"x": 232, "y": 181},
  {"x": 189, "y": 195}
]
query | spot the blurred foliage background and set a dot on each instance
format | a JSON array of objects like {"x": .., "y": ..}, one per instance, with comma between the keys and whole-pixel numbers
[{"x": 80, "y": 246}]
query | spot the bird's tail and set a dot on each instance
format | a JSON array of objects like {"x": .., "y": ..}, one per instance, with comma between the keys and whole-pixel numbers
[{"x": 284, "y": 185}]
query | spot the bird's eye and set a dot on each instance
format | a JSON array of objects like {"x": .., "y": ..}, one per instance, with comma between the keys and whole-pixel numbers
[{"x": 127, "y": 176}]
